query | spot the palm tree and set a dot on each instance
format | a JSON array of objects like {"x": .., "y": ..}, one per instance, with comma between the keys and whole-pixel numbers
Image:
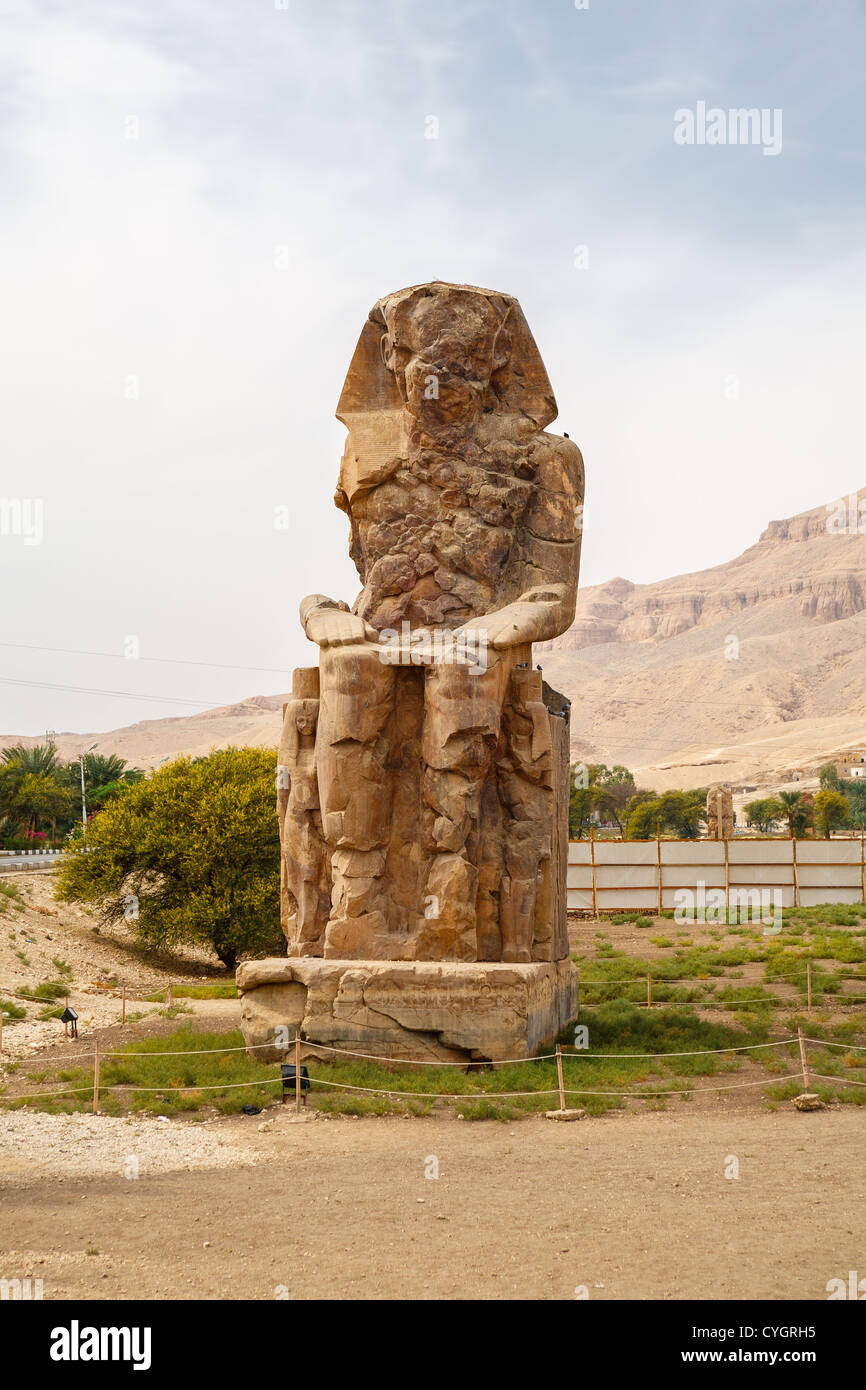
[
  {"x": 797, "y": 812},
  {"x": 102, "y": 768},
  {"x": 40, "y": 759}
]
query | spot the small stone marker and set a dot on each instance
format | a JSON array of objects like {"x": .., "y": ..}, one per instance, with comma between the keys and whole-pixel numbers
[
  {"x": 565, "y": 1114},
  {"x": 809, "y": 1101}
]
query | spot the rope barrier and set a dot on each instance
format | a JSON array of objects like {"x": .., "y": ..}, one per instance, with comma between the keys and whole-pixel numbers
[
  {"x": 569, "y": 1091},
  {"x": 838, "y": 1080},
  {"x": 502, "y": 1062},
  {"x": 448, "y": 1095}
]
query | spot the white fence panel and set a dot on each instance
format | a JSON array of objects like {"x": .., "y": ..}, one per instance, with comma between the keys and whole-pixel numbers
[
  {"x": 693, "y": 852},
  {"x": 829, "y": 875},
  {"x": 626, "y": 876},
  {"x": 626, "y": 852},
  {"x": 761, "y": 874},
  {"x": 813, "y": 897},
  {"x": 828, "y": 851},
  {"x": 760, "y": 852},
  {"x": 690, "y": 875}
]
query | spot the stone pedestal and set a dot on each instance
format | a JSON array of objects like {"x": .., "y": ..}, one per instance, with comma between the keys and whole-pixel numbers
[{"x": 416, "y": 1010}]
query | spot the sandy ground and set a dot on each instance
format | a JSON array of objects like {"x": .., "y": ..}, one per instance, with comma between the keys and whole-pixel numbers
[
  {"x": 629, "y": 1207},
  {"x": 633, "y": 1205}
]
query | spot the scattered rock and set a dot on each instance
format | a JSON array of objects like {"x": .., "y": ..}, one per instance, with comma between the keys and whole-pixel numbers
[{"x": 809, "y": 1101}]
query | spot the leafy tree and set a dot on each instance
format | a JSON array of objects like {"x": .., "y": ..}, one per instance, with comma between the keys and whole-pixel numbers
[
  {"x": 37, "y": 788},
  {"x": 597, "y": 790},
  {"x": 855, "y": 792},
  {"x": 31, "y": 794},
  {"x": 680, "y": 813},
  {"x": 762, "y": 814},
  {"x": 829, "y": 778},
  {"x": 798, "y": 811},
  {"x": 190, "y": 854},
  {"x": 831, "y": 812}
]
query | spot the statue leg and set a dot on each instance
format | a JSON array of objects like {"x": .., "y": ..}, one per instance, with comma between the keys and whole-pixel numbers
[
  {"x": 357, "y": 702},
  {"x": 305, "y": 878},
  {"x": 525, "y": 790},
  {"x": 463, "y": 710}
]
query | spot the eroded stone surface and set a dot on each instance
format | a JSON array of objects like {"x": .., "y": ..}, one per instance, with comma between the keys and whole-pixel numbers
[
  {"x": 420, "y": 1010},
  {"x": 423, "y": 800}
]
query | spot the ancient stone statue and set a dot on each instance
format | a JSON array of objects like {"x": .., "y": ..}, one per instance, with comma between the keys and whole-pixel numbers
[
  {"x": 720, "y": 813},
  {"x": 423, "y": 765}
]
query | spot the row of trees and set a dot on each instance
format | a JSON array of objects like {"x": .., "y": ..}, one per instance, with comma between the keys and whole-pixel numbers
[
  {"x": 40, "y": 794},
  {"x": 608, "y": 796},
  {"x": 838, "y": 805}
]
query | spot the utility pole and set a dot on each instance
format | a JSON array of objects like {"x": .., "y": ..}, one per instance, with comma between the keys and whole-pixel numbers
[{"x": 81, "y": 758}]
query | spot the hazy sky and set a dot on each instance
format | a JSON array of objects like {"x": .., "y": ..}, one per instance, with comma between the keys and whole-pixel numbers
[{"x": 200, "y": 202}]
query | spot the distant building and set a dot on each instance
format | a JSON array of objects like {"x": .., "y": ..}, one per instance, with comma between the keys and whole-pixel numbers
[{"x": 852, "y": 763}]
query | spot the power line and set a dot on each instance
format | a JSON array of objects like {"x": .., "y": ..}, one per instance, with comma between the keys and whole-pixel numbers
[
  {"x": 119, "y": 694},
  {"x": 162, "y": 660}
]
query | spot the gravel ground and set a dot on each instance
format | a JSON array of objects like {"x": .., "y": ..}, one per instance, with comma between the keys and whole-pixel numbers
[
  {"x": 628, "y": 1207},
  {"x": 36, "y": 1145}
]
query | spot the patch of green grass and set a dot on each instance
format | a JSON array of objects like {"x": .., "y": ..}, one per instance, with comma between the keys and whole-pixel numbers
[
  {"x": 48, "y": 989},
  {"x": 9, "y": 897},
  {"x": 663, "y": 942},
  {"x": 61, "y": 966},
  {"x": 12, "y": 1012},
  {"x": 223, "y": 989}
]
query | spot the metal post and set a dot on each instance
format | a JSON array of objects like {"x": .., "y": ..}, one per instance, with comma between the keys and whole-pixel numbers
[
  {"x": 83, "y": 799},
  {"x": 559, "y": 1077}
]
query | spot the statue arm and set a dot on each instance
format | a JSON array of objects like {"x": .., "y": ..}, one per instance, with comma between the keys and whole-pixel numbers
[
  {"x": 546, "y": 561},
  {"x": 330, "y": 623}
]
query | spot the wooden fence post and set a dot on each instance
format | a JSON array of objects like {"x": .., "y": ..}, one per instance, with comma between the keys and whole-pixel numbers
[
  {"x": 659, "y": 865},
  {"x": 796, "y": 873},
  {"x": 297, "y": 1070},
  {"x": 592, "y": 862},
  {"x": 559, "y": 1077},
  {"x": 803, "y": 1061},
  {"x": 1, "y": 1028},
  {"x": 809, "y": 986},
  {"x": 649, "y": 991},
  {"x": 95, "y": 1072},
  {"x": 169, "y": 998},
  {"x": 123, "y": 1005}
]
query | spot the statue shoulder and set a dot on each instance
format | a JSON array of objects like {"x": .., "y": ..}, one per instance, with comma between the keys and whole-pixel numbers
[{"x": 560, "y": 465}]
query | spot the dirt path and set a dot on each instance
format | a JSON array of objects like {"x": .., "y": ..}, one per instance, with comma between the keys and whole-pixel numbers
[{"x": 631, "y": 1207}]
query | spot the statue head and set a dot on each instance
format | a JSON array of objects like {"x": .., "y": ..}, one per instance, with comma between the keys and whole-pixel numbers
[{"x": 443, "y": 355}]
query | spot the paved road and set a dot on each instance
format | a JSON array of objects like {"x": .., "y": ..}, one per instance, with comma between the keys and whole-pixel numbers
[{"x": 28, "y": 861}]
